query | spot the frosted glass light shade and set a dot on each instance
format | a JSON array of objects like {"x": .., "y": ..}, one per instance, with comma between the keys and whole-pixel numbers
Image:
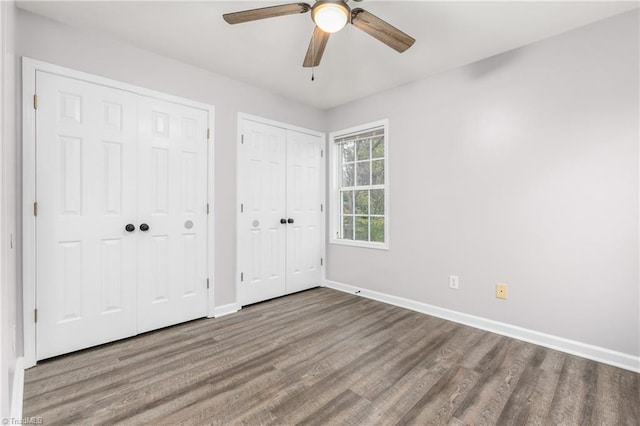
[{"x": 330, "y": 17}]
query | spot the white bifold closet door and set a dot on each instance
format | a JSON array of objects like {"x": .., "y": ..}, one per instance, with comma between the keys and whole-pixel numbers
[
  {"x": 172, "y": 201},
  {"x": 105, "y": 159},
  {"x": 303, "y": 206},
  {"x": 280, "y": 221}
]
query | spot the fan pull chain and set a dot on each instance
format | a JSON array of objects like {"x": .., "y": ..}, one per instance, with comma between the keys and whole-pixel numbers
[{"x": 313, "y": 55}]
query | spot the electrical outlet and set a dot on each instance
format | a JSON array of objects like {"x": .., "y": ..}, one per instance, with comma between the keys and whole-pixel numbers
[
  {"x": 501, "y": 291},
  {"x": 454, "y": 281}
]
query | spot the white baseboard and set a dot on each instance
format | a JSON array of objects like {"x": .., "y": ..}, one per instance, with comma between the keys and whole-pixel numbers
[
  {"x": 220, "y": 311},
  {"x": 18, "y": 388},
  {"x": 595, "y": 353}
]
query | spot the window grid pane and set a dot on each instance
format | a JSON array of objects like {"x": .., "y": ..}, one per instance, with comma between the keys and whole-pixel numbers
[
  {"x": 361, "y": 228},
  {"x": 361, "y": 195}
]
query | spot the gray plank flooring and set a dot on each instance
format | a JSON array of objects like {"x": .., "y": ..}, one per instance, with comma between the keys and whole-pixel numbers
[{"x": 322, "y": 357}]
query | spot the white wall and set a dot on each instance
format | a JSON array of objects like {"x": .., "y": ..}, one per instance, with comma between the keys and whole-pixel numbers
[
  {"x": 49, "y": 41},
  {"x": 8, "y": 203},
  {"x": 523, "y": 169}
]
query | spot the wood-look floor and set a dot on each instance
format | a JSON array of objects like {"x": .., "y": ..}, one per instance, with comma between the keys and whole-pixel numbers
[{"x": 328, "y": 358}]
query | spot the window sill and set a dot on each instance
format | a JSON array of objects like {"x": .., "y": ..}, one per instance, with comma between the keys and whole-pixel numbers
[{"x": 362, "y": 244}]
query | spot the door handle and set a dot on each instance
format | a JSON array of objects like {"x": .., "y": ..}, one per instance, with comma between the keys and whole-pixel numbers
[
  {"x": 290, "y": 220},
  {"x": 144, "y": 227},
  {"x": 283, "y": 221},
  {"x": 130, "y": 227}
]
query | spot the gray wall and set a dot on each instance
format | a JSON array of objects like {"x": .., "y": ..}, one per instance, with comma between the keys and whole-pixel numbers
[
  {"x": 8, "y": 200},
  {"x": 523, "y": 169},
  {"x": 49, "y": 41}
]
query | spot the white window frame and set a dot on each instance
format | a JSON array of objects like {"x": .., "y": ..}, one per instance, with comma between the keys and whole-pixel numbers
[{"x": 336, "y": 176}]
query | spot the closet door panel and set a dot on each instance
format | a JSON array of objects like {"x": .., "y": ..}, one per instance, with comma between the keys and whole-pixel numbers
[
  {"x": 303, "y": 207},
  {"x": 86, "y": 162},
  {"x": 263, "y": 191},
  {"x": 172, "y": 202}
]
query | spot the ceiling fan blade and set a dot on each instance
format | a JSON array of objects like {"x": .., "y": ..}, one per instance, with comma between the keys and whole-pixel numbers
[
  {"x": 383, "y": 31},
  {"x": 265, "y": 12},
  {"x": 316, "y": 48}
]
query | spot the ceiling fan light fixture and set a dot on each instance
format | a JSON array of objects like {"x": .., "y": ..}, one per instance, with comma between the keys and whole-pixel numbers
[{"x": 330, "y": 16}]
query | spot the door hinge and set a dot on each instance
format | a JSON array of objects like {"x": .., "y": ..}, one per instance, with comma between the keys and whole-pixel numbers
[
  {"x": 241, "y": 208},
  {"x": 35, "y": 101},
  {"x": 207, "y": 208},
  {"x": 321, "y": 207},
  {"x": 241, "y": 138},
  {"x": 35, "y": 315},
  {"x": 241, "y": 276},
  {"x": 207, "y": 283},
  {"x": 321, "y": 261},
  {"x": 322, "y": 153},
  {"x": 208, "y": 134},
  {"x": 35, "y": 208}
]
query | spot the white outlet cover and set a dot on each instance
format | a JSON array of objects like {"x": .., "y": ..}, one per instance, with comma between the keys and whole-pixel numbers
[{"x": 454, "y": 281}]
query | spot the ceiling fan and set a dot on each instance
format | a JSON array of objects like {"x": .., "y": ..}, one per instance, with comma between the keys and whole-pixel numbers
[{"x": 329, "y": 16}]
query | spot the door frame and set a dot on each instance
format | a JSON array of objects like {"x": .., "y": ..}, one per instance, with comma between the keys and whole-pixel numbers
[
  {"x": 323, "y": 191},
  {"x": 29, "y": 284}
]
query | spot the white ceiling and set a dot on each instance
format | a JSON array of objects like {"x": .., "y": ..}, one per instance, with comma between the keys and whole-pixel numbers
[{"x": 269, "y": 53}]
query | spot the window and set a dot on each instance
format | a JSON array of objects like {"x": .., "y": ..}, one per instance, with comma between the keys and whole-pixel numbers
[{"x": 360, "y": 209}]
